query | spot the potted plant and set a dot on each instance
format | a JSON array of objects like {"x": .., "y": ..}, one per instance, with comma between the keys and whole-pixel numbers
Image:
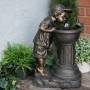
[
  {"x": 71, "y": 18},
  {"x": 65, "y": 36},
  {"x": 82, "y": 56},
  {"x": 20, "y": 56}
]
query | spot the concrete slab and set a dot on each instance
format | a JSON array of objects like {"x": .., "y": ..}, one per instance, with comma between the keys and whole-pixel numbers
[{"x": 86, "y": 80}]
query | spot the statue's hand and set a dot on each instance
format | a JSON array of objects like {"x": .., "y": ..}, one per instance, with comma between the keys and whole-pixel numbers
[{"x": 52, "y": 29}]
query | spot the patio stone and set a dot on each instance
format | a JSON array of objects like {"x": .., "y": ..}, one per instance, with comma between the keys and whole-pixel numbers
[{"x": 86, "y": 80}]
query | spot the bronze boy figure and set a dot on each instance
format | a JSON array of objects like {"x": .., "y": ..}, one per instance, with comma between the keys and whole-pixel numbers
[{"x": 44, "y": 36}]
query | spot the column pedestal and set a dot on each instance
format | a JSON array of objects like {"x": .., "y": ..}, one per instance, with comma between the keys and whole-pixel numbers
[{"x": 66, "y": 73}]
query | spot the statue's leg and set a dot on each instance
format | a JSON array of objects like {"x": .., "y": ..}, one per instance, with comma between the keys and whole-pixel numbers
[
  {"x": 43, "y": 75},
  {"x": 41, "y": 65},
  {"x": 40, "y": 53}
]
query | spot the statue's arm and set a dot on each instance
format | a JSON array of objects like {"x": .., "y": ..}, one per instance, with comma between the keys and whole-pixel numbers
[{"x": 47, "y": 30}]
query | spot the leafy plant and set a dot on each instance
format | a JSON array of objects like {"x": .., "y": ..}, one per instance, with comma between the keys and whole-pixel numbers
[
  {"x": 82, "y": 50},
  {"x": 72, "y": 17},
  {"x": 51, "y": 58},
  {"x": 18, "y": 55},
  {"x": 15, "y": 56},
  {"x": 8, "y": 82}
]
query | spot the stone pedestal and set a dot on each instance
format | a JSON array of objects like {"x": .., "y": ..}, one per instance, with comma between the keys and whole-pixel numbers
[{"x": 66, "y": 72}]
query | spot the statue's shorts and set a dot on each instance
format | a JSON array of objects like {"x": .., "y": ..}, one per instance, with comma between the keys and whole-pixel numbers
[{"x": 39, "y": 51}]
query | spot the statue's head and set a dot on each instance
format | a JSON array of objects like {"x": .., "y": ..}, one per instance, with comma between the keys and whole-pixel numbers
[{"x": 59, "y": 11}]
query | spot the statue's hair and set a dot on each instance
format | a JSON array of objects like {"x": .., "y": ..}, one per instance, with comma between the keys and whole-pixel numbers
[{"x": 59, "y": 8}]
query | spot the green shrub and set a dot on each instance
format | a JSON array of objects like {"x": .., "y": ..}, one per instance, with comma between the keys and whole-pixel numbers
[
  {"x": 72, "y": 17},
  {"x": 18, "y": 55},
  {"x": 15, "y": 56},
  {"x": 82, "y": 50},
  {"x": 8, "y": 82}
]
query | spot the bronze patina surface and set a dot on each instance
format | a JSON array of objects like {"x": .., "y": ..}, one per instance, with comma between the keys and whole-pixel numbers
[{"x": 66, "y": 74}]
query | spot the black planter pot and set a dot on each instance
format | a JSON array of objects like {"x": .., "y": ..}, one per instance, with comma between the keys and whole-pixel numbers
[
  {"x": 22, "y": 73},
  {"x": 1, "y": 88},
  {"x": 67, "y": 71},
  {"x": 31, "y": 73}
]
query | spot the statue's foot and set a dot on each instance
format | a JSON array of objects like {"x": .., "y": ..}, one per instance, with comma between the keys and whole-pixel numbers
[
  {"x": 45, "y": 82},
  {"x": 45, "y": 75},
  {"x": 42, "y": 79},
  {"x": 41, "y": 71}
]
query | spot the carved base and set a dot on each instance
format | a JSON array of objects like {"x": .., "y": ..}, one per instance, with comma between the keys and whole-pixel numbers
[
  {"x": 56, "y": 83},
  {"x": 44, "y": 81},
  {"x": 67, "y": 83},
  {"x": 62, "y": 76}
]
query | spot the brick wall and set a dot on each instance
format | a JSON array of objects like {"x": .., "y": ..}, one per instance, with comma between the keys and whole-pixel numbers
[{"x": 84, "y": 15}]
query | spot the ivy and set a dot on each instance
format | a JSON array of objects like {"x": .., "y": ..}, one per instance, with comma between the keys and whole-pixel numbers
[{"x": 82, "y": 50}]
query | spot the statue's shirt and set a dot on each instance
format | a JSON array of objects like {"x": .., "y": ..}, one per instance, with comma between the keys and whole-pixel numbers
[{"x": 44, "y": 38}]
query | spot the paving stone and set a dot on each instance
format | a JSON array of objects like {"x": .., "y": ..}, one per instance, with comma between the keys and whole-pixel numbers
[
  {"x": 86, "y": 80},
  {"x": 81, "y": 88}
]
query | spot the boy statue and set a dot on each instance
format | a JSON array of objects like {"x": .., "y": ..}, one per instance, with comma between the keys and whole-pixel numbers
[{"x": 44, "y": 36}]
